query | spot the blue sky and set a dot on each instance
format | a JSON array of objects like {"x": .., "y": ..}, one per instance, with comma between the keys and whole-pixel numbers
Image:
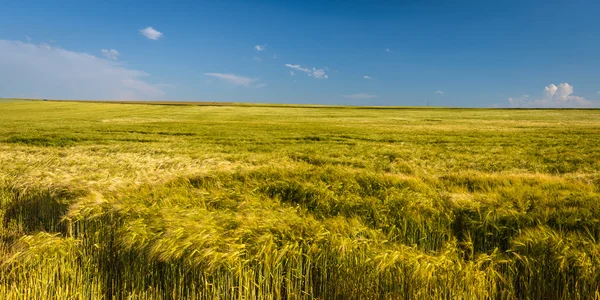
[{"x": 447, "y": 53}]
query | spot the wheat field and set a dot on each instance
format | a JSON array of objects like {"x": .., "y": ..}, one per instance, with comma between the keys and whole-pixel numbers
[{"x": 139, "y": 201}]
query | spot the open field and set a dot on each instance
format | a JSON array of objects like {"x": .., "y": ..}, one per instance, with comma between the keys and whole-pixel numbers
[{"x": 122, "y": 201}]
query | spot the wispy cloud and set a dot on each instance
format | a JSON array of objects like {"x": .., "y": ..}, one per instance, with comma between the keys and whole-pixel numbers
[
  {"x": 367, "y": 77},
  {"x": 360, "y": 96},
  {"x": 261, "y": 47},
  {"x": 439, "y": 92},
  {"x": 256, "y": 58},
  {"x": 234, "y": 79},
  {"x": 388, "y": 50},
  {"x": 297, "y": 67},
  {"x": 554, "y": 96},
  {"x": 28, "y": 38},
  {"x": 320, "y": 73},
  {"x": 44, "y": 71},
  {"x": 314, "y": 72},
  {"x": 294, "y": 74},
  {"x": 151, "y": 33},
  {"x": 519, "y": 101},
  {"x": 110, "y": 54},
  {"x": 261, "y": 85}
]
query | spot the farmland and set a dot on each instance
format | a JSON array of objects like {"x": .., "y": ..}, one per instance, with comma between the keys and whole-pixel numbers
[{"x": 136, "y": 201}]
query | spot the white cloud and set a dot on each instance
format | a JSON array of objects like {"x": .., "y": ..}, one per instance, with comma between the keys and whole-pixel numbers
[
  {"x": 516, "y": 102},
  {"x": 294, "y": 74},
  {"x": 314, "y": 72},
  {"x": 367, "y": 77},
  {"x": 360, "y": 96},
  {"x": 261, "y": 47},
  {"x": 439, "y": 92},
  {"x": 151, "y": 33},
  {"x": 42, "y": 71},
  {"x": 388, "y": 50},
  {"x": 28, "y": 38},
  {"x": 234, "y": 79},
  {"x": 111, "y": 54},
  {"x": 554, "y": 96},
  {"x": 297, "y": 67},
  {"x": 320, "y": 73}
]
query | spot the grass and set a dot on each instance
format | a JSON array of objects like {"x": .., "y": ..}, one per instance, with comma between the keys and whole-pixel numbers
[{"x": 126, "y": 201}]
